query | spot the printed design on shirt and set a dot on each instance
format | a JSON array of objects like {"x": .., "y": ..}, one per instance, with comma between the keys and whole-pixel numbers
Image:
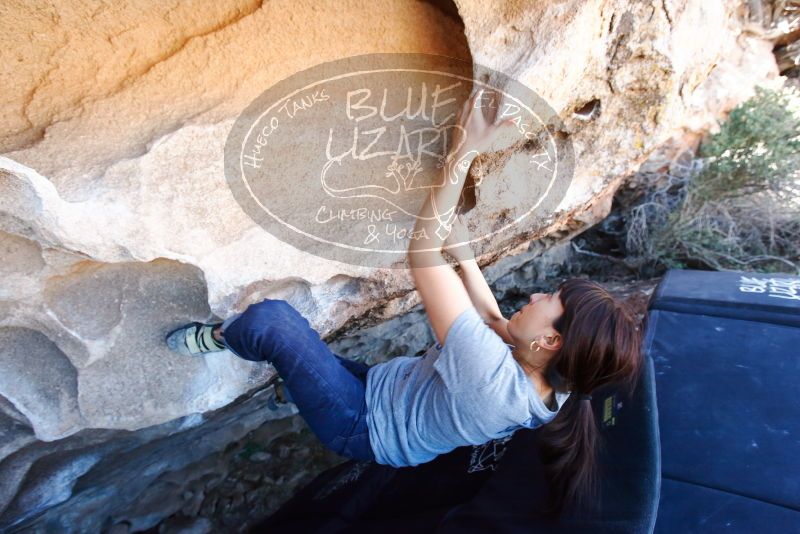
[
  {"x": 488, "y": 455},
  {"x": 351, "y": 475}
]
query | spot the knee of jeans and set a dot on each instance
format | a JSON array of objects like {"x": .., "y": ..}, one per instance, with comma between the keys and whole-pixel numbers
[{"x": 269, "y": 310}]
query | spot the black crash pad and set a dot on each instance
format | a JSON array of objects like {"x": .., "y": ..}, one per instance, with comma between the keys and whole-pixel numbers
[
  {"x": 771, "y": 298},
  {"x": 728, "y": 404},
  {"x": 691, "y": 508}
]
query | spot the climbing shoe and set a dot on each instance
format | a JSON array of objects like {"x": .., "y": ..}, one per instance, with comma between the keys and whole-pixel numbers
[{"x": 194, "y": 339}]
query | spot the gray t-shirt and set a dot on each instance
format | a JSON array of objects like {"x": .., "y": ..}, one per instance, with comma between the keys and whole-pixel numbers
[{"x": 467, "y": 392}]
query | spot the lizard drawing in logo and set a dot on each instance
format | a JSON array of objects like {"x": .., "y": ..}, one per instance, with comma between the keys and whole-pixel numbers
[{"x": 405, "y": 179}]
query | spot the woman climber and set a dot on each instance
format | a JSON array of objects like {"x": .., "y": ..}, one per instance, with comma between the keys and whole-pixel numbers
[{"x": 484, "y": 378}]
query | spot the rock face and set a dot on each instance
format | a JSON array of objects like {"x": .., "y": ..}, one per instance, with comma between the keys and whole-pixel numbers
[{"x": 116, "y": 224}]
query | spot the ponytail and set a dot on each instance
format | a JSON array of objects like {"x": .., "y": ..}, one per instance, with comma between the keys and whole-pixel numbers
[
  {"x": 567, "y": 447},
  {"x": 601, "y": 345}
]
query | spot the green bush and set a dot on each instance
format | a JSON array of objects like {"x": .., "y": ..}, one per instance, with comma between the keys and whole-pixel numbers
[
  {"x": 757, "y": 149},
  {"x": 736, "y": 204}
]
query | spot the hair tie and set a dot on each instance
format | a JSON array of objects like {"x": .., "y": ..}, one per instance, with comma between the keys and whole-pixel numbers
[{"x": 584, "y": 396}]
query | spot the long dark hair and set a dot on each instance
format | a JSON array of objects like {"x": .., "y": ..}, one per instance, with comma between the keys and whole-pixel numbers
[{"x": 601, "y": 344}]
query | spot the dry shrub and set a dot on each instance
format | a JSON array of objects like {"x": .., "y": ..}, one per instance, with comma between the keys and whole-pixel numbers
[{"x": 736, "y": 204}]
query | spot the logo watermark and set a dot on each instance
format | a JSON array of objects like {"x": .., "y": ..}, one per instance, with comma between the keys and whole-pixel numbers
[{"x": 339, "y": 159}]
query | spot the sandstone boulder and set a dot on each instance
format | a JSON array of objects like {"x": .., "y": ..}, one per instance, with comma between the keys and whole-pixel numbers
[{"x": 116, "y": 223}]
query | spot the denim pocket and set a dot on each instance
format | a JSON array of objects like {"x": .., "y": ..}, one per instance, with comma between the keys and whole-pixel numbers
[
  {"x": 338, "y": 445},
  {"x": 356, "y": 442},
  {"x": 359, "y": 448}
]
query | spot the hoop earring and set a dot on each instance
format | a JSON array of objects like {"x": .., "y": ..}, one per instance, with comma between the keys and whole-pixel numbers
[{"x": 537, "y": 346}]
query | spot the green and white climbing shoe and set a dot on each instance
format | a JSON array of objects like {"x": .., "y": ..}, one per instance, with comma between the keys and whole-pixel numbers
[{"x": 194, "y": 339}]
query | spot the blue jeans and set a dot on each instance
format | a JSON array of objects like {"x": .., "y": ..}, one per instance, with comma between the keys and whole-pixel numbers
[{"x": 329, "y": 391}]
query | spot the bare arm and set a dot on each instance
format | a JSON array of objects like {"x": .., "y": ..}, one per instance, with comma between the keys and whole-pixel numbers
[
  {"x": 482, "y": 298},
  {"x": 479, "y": 291},
  {"x": 443, "y": 294},
  {"x": 457, "y": 246}
]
